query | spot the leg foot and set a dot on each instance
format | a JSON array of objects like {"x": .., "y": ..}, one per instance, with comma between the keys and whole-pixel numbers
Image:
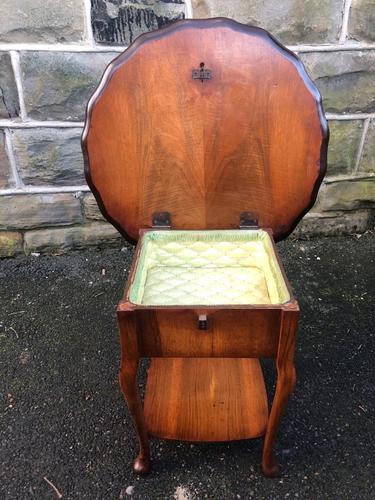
[
  {"x": 286, "y": 379},
  {"x": 129, "y": 387},
  {"x": 141, "y": 465},
  {"x": 270, "y": 467}
]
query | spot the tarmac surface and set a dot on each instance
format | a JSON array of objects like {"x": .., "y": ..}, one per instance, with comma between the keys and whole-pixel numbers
[{"x": 63, "y": 419}]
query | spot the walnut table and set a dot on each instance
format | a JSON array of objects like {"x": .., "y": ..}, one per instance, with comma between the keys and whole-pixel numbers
[{"x": 206, "y": 141}]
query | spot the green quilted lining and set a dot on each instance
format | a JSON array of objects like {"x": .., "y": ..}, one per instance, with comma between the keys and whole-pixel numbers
[{"x": 208, "y": 268}]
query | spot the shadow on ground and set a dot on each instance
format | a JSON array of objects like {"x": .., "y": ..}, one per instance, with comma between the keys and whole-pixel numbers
[{"x": 63, "y": 417}]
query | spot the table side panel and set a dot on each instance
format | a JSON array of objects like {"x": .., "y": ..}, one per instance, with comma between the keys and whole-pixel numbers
[{"x": 231, "y": 333}]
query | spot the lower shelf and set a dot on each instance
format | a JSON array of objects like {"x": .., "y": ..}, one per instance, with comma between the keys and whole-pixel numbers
[{"x": 205, "y": 399}]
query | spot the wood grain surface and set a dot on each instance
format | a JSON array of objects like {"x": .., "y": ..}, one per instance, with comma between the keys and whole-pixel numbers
[
  {"x": 205, "y": 399},
  {"x": 253, "y": 137},
  {"x": 234, "y": 333}
]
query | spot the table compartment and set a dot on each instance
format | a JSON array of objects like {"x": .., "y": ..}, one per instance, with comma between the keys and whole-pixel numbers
[{"x": 230, "y": 333}]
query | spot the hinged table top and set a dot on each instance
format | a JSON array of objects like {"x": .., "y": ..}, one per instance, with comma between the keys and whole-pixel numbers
[{"x": 205, "y": 119}]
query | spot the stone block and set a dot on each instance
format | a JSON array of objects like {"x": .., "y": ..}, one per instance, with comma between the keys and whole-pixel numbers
[
  {"x": 6, "y": 176},
  {"x": 291, "y": 21},
  {"x": 10, "y": 244},
  {"x": 339, "y": 224},
  {"x": 39, "y": 210},
  {"x": 345, "y": 79},
  {"x": 345, "y": 137},
  {"x": 91, "y": 209},
  {"x": 353, "y": 194},
  {"x": 48, "y": 156},
  {"x": 121, "y": 21},
  {"x": 45, "y": 21},
  {"x": 367, "y": 162},
  {"x": 9, "y": 105},
  {"x": 57, "y": 85},
  {"x": 61, "y": 240},
  {"x": 362, "y": 20}
]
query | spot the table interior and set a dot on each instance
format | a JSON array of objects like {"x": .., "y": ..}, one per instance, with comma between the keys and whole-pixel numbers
[{"x": 220, "y": 267}]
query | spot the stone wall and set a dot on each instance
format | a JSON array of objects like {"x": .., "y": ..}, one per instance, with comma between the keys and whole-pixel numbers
[{"x": 52, "y": 55}]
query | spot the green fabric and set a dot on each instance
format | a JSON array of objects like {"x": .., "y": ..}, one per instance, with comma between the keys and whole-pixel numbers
[{"x": 218, "y": 267}]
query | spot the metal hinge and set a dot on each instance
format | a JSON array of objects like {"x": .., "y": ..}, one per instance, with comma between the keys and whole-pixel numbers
[
  {"x": 161, "y": 220},
  {"x": 248, "y": 220}
]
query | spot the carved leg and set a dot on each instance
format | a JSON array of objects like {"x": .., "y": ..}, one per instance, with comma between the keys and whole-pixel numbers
[
  {"x": 129, "y": 387},
  {"x": 286, "y": 379}
]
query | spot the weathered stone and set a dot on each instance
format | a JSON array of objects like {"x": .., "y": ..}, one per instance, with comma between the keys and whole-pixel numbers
[
  {"x": 57, "y": 85},
  {"x": 9, "y": 106},
  {"x": 41, "y": 21},
  {"x": 64, "y": 239},
  {"x": 345, "y": 79},
  {"x": 10, "y": 244},
  {"x": 39, "y": 210},
  {"x": 367, "y": 162},
  {"x": 345, "y": 137},
  {"x": 49, "y": 156},
  {"x": 345, "y": 223},
  {"x": 6, "y": 177},
  {"x": 347, "y": 195},
  {"x": 121, "y": 21},
  {"x": 91, "y": 208},
  {"x": 291, "y": 21},
  {"x": 362, "y": 20}
]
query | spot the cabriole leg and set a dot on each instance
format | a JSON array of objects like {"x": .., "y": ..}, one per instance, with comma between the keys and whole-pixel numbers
[
  {"x": 129, "y": 386},
  {"x": 286, "y": 378}
]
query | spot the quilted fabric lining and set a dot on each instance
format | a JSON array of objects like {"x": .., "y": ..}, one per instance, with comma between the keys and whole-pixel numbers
[{"x": 208, "y": 268}]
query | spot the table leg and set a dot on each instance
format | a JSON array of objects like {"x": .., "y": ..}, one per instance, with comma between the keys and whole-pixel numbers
[
  {"x": 286, "y": 378},
  {"x": 129, "y": 386}
]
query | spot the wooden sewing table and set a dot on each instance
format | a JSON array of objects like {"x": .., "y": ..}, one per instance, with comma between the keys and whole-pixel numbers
[{"x": 206, "y": 142}]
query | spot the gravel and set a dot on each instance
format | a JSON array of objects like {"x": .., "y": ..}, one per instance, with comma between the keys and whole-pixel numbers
[{"x": 64, "y": 424}]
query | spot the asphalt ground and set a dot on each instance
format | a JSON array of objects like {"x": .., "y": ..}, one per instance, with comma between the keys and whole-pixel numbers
[{"x": 63, "y": 417}]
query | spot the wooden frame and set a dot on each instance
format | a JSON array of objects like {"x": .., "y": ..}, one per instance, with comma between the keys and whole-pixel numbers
[
  {"x": 266, "y": 331},
  {"x": 284, "y": 328},
  {"x": 269, "y": 159}
]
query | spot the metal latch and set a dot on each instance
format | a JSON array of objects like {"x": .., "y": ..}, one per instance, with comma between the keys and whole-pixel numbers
[
  {"x": 202, "y": 74},
  {"x": 202, "y": 322}
]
